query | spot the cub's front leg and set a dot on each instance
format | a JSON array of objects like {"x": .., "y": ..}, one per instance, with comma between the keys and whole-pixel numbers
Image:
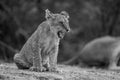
[
  {"x": 53, "y": 60},
  {"x": 37, "y": 62}
]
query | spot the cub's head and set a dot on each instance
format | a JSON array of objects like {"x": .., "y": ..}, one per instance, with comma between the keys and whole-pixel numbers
[{"x": 59, "y": 22}]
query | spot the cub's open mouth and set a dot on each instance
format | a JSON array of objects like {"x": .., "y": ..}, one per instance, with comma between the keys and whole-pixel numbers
[{"x": 60, "y": 34}]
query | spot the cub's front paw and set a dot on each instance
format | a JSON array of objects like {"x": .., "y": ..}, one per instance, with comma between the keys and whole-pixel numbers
[
  {"x": 41, "y": 69},
  {"x": 53, "y": 69}
]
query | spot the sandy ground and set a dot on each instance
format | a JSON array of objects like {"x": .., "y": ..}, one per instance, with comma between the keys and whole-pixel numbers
[{"x": 10, "y": 72}]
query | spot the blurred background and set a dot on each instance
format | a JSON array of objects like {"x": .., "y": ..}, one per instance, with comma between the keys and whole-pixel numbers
[{"x": 89, "y": 19}]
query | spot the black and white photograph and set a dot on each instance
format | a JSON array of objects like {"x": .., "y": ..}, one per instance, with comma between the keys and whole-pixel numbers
[{"x": 59, "y": 39}]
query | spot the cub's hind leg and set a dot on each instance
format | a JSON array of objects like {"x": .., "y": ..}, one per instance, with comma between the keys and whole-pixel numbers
[{"x": 21, "y": 64}]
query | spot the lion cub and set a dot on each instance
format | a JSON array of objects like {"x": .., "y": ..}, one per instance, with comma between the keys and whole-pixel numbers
[{"x": 40, "y": 51}]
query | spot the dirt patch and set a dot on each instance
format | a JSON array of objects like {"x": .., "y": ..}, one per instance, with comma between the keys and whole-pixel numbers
[{"x": 11, "y": 72}]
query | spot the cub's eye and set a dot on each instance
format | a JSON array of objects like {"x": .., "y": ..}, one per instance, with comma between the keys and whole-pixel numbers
[{"x": 61, "y": 23}]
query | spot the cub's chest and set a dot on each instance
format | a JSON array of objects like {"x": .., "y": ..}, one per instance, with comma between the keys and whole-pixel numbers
[
  {"x": 49, "y": 45},
  {"x": 50, "y": 42}
]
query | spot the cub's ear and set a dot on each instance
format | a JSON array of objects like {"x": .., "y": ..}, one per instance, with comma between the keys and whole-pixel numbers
[
  {"x": 65, "y": 14},
  {"x": 48, "y": 14}
]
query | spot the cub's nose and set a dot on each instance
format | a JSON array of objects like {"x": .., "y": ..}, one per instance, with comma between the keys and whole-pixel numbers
[{"x": 68, "y": 29}]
